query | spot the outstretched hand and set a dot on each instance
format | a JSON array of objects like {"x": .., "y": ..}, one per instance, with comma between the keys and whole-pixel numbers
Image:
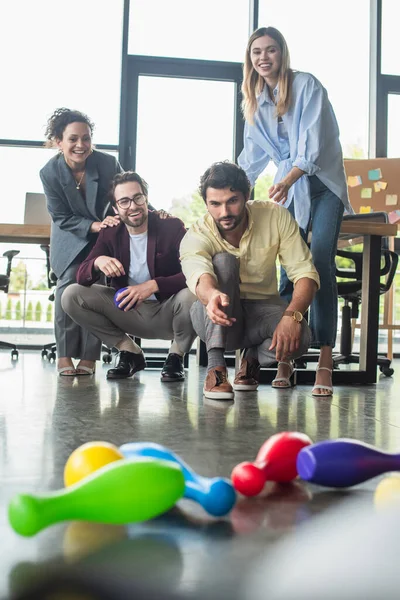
[{"x": 215, "y": 309}]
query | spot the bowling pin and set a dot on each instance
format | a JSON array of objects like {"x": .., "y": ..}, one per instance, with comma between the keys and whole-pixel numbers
[
  {"x": 387, "y": 493},
  {"x": 216, "y": 495},
  {"x": 275, "y": 461},
  {"x": 121, "y": 492},
  {"x": 343, "y": 463}
]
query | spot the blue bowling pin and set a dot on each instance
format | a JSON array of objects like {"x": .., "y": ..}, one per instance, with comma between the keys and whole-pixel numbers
[
  {"x": 215, "y": 495},
  {"x": 343, "y": 463}
]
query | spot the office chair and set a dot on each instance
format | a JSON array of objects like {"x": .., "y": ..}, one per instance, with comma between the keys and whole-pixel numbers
[
  {"x": 350, "y": 291},
  {"x": 4, "y": 285},
  {"x": 49, "y": 350}
]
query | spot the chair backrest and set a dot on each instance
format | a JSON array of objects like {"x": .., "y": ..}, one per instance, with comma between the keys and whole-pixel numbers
[{"x": 5, "y": 279}]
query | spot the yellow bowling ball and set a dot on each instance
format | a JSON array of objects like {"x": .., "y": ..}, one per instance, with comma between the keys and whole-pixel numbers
[
  {"x": 387, "y": 493},
  {"x": 86, "y": 459}
]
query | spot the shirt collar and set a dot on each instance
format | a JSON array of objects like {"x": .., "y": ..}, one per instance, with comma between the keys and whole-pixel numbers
[{"x": 264, "y": 96}]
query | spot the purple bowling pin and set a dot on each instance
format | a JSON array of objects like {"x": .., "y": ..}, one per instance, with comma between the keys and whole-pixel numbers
[{"x": 343, "y": 463}]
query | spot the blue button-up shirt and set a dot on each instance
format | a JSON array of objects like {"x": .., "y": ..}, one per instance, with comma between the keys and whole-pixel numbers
[{"x": 307, "y": 138}]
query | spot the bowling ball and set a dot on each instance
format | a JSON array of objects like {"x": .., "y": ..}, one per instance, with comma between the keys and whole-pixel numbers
[
  {"x": 387, "y": 493},
  {"x": 86, "y": 459},
  {"x": 117, "y": 304}
]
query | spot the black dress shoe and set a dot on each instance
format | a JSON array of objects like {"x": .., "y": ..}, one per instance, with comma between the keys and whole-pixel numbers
[
  {"x": 173, "y": 368},
  {"x": 128, "y": 364}
]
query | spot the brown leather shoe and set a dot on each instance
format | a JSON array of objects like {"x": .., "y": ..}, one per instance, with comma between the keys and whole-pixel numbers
[
  {"x": 248, "y": 377},
  {"x": 217, "y": 386}
]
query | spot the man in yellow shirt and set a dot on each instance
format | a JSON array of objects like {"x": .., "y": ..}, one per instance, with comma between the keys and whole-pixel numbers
[{"x": 229, "y": 261}]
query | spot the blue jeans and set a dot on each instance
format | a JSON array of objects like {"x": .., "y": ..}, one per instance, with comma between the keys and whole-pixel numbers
[{"x": 326, "y": 217}]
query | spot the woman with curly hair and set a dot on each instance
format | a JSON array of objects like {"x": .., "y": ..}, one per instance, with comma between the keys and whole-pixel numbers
[
  {"x": 76, "y": 182},
  {"x": 290, "y": 121}
]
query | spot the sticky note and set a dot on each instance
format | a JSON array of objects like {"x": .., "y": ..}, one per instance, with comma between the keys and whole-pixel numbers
[
  {"x": 365, "y": 209},
  {"x": 374, "y": 174},
  {"x": 394, "y": 216},
  {"x": 391, "y": 199},
  {"x": 354, "y": 180},
  {"x": 366, "y": 192},
  {"x": 381, "y": 185}
]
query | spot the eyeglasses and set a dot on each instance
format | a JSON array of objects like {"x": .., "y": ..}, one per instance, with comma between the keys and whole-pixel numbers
[{"x": 125, "y": 203}]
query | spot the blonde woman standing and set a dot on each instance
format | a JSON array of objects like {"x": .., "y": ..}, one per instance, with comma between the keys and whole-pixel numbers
[{"x": 290, "y": 121}]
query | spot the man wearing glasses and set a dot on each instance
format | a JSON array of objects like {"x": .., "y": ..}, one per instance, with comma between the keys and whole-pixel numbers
[{"x": 140, "y": 254}]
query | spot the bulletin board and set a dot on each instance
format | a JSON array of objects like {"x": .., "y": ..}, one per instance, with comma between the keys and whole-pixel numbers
[{"x": 374, "y": 185}]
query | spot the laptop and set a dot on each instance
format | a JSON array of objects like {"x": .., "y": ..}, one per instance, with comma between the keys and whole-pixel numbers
[{"x": 36, "y": 209}]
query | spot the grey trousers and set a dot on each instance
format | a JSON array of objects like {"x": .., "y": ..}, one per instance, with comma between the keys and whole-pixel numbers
[
  {"x": 94, "y": 308},
  {"x": 71, "y": 339},
  {"x": 256, "y": 320}
]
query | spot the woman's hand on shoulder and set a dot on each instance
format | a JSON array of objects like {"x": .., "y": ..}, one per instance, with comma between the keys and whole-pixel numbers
[
  {"x": 163, "y": 214},
  {"x": 109, "y": 221}
]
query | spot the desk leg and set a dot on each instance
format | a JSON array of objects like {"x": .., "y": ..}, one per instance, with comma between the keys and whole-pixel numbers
[{"x": 370, "y": 307}]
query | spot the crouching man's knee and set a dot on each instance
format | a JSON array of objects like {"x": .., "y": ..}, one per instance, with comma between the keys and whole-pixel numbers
[{"x": 69, "y": 297}]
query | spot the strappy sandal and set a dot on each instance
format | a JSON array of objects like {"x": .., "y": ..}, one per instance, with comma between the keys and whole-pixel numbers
[
  {"x": 86, "y": 370},
  {"x": 322, "y": 387},
  {"x": 287, "y": 382},
  {"x": 63, "y": 371}
]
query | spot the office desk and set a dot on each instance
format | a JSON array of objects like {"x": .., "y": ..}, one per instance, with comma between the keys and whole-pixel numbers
[
  {"x": 371, "y": 235},
  {"x": 24, "y": 234}
]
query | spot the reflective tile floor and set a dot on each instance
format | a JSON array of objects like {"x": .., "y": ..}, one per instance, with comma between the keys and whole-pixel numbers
[{"x": 43, "y": 418}]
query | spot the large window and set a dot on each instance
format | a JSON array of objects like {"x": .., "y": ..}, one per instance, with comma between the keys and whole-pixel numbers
[
  {"x": 56, "y": 53},
  {"x": 334, "y": 48},
  {"x": 393, "y": 147},
  {"x": 390, "y": 63},
  {"x": 208, "y": 30},
  {"x": 175, "y": 148}
]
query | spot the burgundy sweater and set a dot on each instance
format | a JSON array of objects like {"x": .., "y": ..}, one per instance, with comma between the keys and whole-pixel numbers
[{"x": 164, "y": 238}]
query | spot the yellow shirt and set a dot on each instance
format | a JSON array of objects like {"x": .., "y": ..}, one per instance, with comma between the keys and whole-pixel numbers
[{"x": 271, "y": 232}]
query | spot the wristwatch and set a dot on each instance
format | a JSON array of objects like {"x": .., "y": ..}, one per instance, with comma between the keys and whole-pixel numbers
[{"x": 295, "y": 314}]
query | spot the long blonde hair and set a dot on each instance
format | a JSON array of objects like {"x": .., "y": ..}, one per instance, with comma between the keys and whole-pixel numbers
[{"x": 253, "y": 83}]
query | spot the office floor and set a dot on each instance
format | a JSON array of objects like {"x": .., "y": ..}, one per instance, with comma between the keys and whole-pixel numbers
[{"x": 43, "y": 418}]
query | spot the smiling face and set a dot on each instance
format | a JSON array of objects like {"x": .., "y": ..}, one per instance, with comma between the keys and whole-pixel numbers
[
  {"x": 134, "y": 216},
  {"x": 76, "y": 144},
  {"x": 266, "y": 57},
  {"x": 227, "y": 208}
]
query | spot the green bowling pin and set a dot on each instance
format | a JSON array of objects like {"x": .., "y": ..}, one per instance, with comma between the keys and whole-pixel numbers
[{"x": 125, "y": 491}]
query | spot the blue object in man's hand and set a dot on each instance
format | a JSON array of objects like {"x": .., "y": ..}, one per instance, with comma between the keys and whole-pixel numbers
[{"x": 118, "y": 304}]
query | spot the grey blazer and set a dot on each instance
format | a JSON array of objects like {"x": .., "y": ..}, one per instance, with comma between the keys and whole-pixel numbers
[{"x": 71, "y": 214}]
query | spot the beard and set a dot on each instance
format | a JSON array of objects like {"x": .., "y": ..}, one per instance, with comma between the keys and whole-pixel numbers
[
  {"x": 230, "y": 223},
  {"x": 135, "y": 223}
]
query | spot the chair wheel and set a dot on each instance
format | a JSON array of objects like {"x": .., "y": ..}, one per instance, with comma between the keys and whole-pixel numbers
[
  {"x": 107, "y": 358},
  {"x": 387, "y": 371},
  {"x": 52, "y": 356},
  {"x": 14, "y": 355},
  {"x": 44, "y": 353}
]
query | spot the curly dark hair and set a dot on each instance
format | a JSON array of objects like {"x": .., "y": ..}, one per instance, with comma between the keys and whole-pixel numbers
[
  {"x": 120, "y": 178},
  {"x": 224, "y": 175},
  {"x": 60, "y": 119}
]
